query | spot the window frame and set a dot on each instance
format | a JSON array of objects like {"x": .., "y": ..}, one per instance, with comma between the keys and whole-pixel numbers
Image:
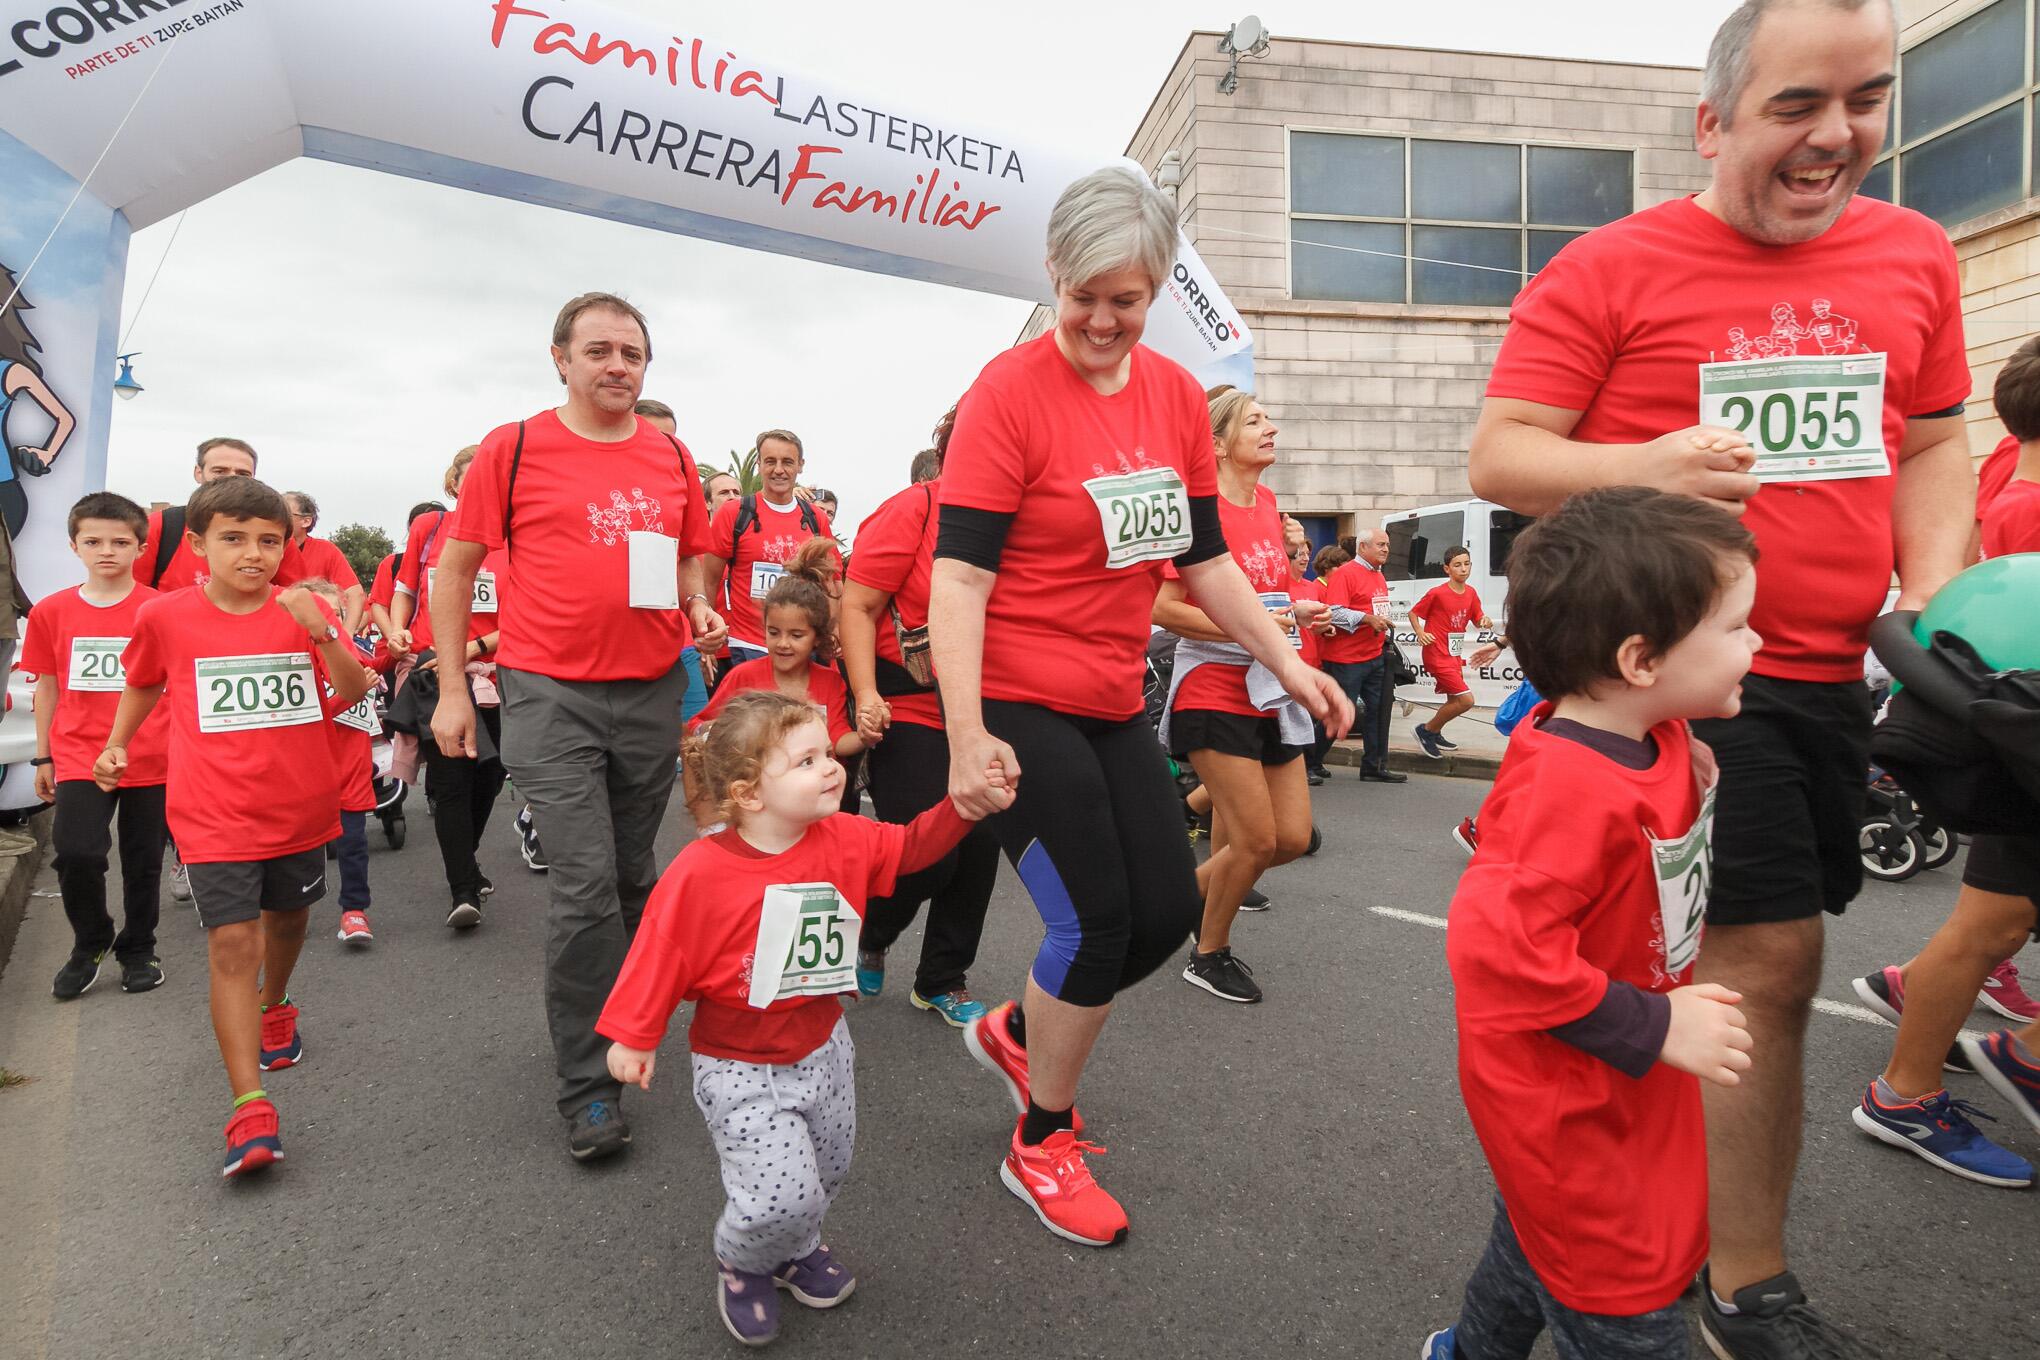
[
  {"x": 1409, "y": 222},
  {"x": 2027, "y": 94}
]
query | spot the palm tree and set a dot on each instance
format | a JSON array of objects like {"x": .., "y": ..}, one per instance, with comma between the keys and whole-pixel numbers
[{"x": 743, "y": 467}]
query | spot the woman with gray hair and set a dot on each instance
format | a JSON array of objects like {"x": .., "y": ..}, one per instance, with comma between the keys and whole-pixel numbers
[{"x": 1079, "y": 467}]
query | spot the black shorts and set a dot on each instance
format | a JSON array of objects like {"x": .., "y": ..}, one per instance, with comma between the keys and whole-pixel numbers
[
  {"x": 1794, "y": 784},
  {"x": 241, "y": 890},
  {"x": 2005, "y": 864},
  {"x": 1229, "y": 734}
]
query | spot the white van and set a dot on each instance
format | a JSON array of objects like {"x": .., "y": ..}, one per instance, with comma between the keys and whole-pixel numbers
[{"x": 1417, "y": 543}]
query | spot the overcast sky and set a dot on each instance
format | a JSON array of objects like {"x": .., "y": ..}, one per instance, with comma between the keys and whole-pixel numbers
[{"x": 359, "y": 328}]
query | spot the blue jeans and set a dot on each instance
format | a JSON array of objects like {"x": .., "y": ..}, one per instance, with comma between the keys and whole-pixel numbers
[
  {"x": 1507, "y": 1306},
  {"x": 1366, "y": 684},
  {"x": 353, "y": 861}
]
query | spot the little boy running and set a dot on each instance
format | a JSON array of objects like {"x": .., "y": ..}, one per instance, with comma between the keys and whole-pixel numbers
[
  {"x": 1574, "y": 931},
  {"x": 253, "y": 797},
  {"x": 75, "y": 638},
  {"x": 1440, "y": 621}
]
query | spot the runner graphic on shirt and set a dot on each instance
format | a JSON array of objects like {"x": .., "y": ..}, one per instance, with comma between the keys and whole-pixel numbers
[
  {"x": 1740, "y": 346},
  {"x": 1786, "y": 332},
  {"x": 1834, "y": 334},
  {"x": 625, "y": 513}
]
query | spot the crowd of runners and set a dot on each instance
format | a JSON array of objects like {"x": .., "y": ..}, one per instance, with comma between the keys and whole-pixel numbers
[{"x": 1635, "y": 946}]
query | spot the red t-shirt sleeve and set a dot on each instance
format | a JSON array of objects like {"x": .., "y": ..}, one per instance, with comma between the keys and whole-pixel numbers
[
  {"x": 722, "y": 530},
  {"x": 383, "y": 590},
  {"x": 334, "y": 566},
  {"x": 1421, "y": 610},
  {"x": 2012, "y": 524},
  {"x": 653, "y": 981},
  {"x": 885, "y": 550},
  {"x": 826, "y": 687},
  {"x": 39, "y": 648},
  {"x": 482, "y": 513},
  {"x": 143, "y": 658},
  {"x": 986, "y": 467},
  {"x": 413, "y": 570},
  {"x": 1200, "y": 468},
  {"x": 930, "y": 836},
  {"x": 1561, "y": 339},
  {"x": 1944, "y": 378},
  {"x": 694, "y": 536},
  {"x": 1514, "y": 951}
]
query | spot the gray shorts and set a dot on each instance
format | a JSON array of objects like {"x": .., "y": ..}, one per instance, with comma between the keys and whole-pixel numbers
[{"x": 241, "y": 890}]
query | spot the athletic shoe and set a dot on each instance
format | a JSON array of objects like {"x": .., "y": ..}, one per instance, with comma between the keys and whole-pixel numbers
[
  {"x": 749, "y": 1305},
  {"x": 253, "y": 1139},
  {"x": 1382, "y": 776},
  {"x": 282, "y": 1045},
  {"x": 1772, "y": 1321},
  {"x": 817, "y": 1279},
  {"x": 991, "y": 1043},
  {"x": 354, "y": 927},
  {"x": 1428, "y": 740},
  {"x": 1937, "y": 1127},
  {"x": 466, "y": 914},
  {"x": 1053, "y": 1180},
  {"x": 597, "y": 1130},
  {"x": 1438, "y": 1346},
  {"x": 1224, "y": 976},
  {"x": 141, "y": 975},
  {"x": 77, "y": 975},
  {"x": 870, "y": 973},
  {"x": 527, "y": 842},
  {"x": 1883, "y": 992},
  {"x": 955, "y": 1007},
  {"x": 180, "y": 881},
  {"x": 1443, "y": 742},
  {"x": 1255, "y": 900},
  {"x": 487, "y": 887},
  {"x": 2011, "y": 1076},
  {"x": 2003, "y": 994},
  {"x": 1466, "y": 835}
]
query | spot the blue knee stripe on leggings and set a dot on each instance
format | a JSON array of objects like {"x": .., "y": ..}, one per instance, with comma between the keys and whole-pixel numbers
[{"x": 1044, "y": 883}]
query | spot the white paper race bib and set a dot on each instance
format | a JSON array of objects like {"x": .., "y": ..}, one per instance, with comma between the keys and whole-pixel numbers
[
  {"x": 1380, "y": 609},
  {"x": 1145, "y": 515},
  {"x": 1455, "y": 644},
  {"x": 361, "y": 717},
  {"x": 277, "y": 689},
  {"x": 1813, "y": 418},
  {"x": 1684, "y": 873},
  {"x": 654, "y": 570},
  {"x": 1273, "y": 600},
  {"x": 95, "y": 664},
  {"x": 807, "y": 944},
  {"x": 483, "y": 601},
  {"x": 764, "y": 576}
]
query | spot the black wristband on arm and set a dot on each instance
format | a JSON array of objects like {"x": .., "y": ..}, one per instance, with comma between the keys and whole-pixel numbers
[
  {"x": 976, "y": 537},
  {"x": 1207, "y": 535}
]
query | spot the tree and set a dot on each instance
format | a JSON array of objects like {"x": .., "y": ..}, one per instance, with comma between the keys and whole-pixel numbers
[
  {"x": 364, "y": 546},
  {"x": 743, "y": 467}
]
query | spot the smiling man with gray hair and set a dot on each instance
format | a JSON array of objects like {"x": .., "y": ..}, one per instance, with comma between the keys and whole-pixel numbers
[{"x": 1629, "y": 360}]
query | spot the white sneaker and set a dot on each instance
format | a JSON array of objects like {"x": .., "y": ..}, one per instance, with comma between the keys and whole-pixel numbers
[{"x": 180, "y": 882}]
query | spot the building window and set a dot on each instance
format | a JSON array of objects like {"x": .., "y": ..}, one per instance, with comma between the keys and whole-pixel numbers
[
  {"x": 1427, "y": 220},
  {"x": 1960, "y": 141}
]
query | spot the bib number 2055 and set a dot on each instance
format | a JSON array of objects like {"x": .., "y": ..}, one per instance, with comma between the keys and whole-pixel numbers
[
  {"x": 1145, "y": 515},
  {"x": 240, "y": 692},
  {"x": 1810, "y": 419}
]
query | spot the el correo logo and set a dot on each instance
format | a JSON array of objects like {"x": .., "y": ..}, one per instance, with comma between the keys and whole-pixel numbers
[
  {"x": 89, "y": 23},
  {"x": 1202, "y": 304}
]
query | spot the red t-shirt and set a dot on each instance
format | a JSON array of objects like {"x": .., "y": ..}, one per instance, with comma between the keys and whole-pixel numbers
[
  {"x": 187, "y": 568},
  {"x": 1313, "y": 645},
  {"x": 1445, "y": 611},
  {"x": 1253, "y": 533},
  {"x": 1995, "y": 472},
  {"x": 352, "y": 734},
  {"x": 699, "y": 934},
  {"x": 384, "y": 591},
  {"x": 321, "y": 559},
  {"x": 896, "y": 555},
  {"x": 421, "y": 556},
  {"x": 772, "y": 538},
  {"x": 242, "y": 791},
  {"x": 1617, "y": 326},
  {"x": 1063, "y": 628},
  {"x": 824, "y": 686},
  {"x": 566, "y": 593},
  {"x": 1362, "y": 589},
  {"x": 79, "y": 643},
  {"x": 1604, "y": 1175},
  {"x": 2012, "y": 524}
]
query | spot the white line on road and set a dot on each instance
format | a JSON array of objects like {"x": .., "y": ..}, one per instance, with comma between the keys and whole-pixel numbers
[{"x": 1820, "y": 1003}]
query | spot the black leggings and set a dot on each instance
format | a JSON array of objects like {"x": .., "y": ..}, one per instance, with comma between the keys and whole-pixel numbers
[
  {"x": 1096, "y": 835},
  {"x": 909, "y": 775},
  {"x": 82, "y": 839},
  {"x": 462, "y": 792}
]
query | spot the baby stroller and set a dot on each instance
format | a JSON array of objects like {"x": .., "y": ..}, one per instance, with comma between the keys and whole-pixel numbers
[
  {"x": 389, "y": 790},
  {"x": 1897, "y": 839}
]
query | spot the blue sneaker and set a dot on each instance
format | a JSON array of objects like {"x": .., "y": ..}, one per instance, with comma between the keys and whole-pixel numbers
[
  {"x": 1443, "y": 742},
  {"x": 1997, "y": 1062},
  {"x": 1938, "y": 1129},
  {"x": 1438, "y": 1346},
  {"x": 1428, "y": 740},
  {"x": 956, "y": 1007},
  {"x": 870, "y": 973}
]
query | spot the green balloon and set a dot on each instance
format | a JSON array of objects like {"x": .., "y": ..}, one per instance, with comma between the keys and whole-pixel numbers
[{"x": 1994, "y": 606}]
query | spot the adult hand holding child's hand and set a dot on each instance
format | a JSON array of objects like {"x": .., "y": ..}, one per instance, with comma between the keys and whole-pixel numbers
[{"x": 1708, "y": 1036}]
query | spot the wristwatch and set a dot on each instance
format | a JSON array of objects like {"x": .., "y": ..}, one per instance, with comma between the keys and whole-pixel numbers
[{"x": 332, "y": 634}]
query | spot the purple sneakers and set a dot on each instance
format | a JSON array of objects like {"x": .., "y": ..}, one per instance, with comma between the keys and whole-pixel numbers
[
  {"x": 817, "y": 1279},
  {"x": 748, "y": 1304}
]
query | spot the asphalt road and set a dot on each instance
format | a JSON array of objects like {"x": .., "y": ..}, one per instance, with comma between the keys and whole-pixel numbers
[{"x": 1300, "y": 1175}]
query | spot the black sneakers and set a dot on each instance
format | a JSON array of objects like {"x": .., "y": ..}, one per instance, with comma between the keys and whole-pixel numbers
[
  {"x": 597, "y": 1130},
  {"x": 1224, "y": 976},
  {"x": 1772, "y": 1321},
  {"x": 466, "y": 914},
  {"x": 1255, "y": 900},
  {"x": 77, "y": 975},
  {"x": 141, "y": 975}
]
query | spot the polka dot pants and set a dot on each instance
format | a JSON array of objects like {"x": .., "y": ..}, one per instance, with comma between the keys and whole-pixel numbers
[{"x": 784, "y": 1133}]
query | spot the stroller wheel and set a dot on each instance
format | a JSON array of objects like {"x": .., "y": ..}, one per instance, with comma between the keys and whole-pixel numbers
[
  {"x": 394, "y": 829},
  {"x": 1890, "y": 852},
  {"x": 1941, "y": 845},
  {"x": 1317, "y": 840}
]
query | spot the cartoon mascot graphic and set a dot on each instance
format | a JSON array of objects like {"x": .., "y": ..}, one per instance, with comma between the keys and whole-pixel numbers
[{"x": 21, "y": 378}]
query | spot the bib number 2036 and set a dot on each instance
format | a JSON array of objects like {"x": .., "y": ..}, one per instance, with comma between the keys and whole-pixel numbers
[
  {"x": 1809, "y": 419},
  {"x": 239, "y": 692},
  {"x": 1145, "y": 515}
]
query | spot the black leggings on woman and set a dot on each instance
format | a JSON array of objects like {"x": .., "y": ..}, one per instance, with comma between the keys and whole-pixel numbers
[
  {"x": 1096, "y": 835},
  {"x": 909, "y": 775},
  {"x": 462, "y": 792}
]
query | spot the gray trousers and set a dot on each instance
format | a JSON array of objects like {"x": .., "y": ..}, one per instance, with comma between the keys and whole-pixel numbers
[
  {"x": 595, "y": 761},
  {"x": 784, "y": 1133}
]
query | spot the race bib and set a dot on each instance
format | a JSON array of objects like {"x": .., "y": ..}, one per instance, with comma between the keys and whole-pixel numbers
[
  {"x": 1684, "y": 871},
  {"x": 1455, "y": 644},
  {"x": 1380, "y": 609},
  {"x": 654, "y": 568},
  {"x": 1145, "y": 515},
  {"x": 1810, "y": 419},
  {"x": 807, "y": 944},
  {"x": 764, "y": 576},
  {"x": 1272, "y": 600},
  {"x": 484, "y": 598},
  {"x": 273, "y": 690},
  {"x": 95, "y": 664},
  {"x": 361, "y": 717}
]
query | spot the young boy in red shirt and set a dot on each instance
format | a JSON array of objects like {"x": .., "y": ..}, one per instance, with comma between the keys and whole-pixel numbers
[
  {"x": 75, "y": 638},
  {"x": 352, "y": 730},
  {"x": 1440, "y": 620},
  {"x": 758, "y": 925},
  {"x": 1574, "y": 930},
  {"x": 252, "y": 796}
]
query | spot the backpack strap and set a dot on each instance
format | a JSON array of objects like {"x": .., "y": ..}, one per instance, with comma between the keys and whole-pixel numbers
[
  {"x": 509, "y": 486},
  {"x": 747, "y": 519},
  {"x": 810, "y": 519},
  {"x": 166, "y": 549}
]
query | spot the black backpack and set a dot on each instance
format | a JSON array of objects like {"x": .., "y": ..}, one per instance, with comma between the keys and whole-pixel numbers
[
  {"x": 747, "y": 520},
  {"x": 166, "y": 548},
  {"x": 1962, "y": 738}
]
